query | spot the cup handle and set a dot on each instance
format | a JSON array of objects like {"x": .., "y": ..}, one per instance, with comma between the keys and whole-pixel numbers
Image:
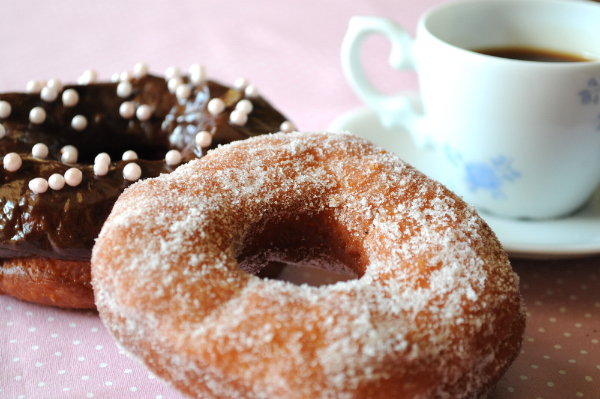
[{"x": 396, "y": 110}]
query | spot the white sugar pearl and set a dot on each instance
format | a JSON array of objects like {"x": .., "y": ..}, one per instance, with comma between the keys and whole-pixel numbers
[
  {"x": 56, "y": 181},
  {"x": 143, "y": 112},
  {"x": 183, "y": 92},
  {"x": 129, "y": 156},
  {"x": 172, "y": 72},
  {"x": 70, "y": 98},
  {"x": 174, "y": 83},
  {"x": 73, "y": 177},
  {"x": 40, "y": 150},
  {"x": 79, "y": 122},
  {"x": 2, "y": 131},
  {"x": 173, "y": 157},
  {"x": 101, "y": 168},
  {"x": 38, "y": 185},
  {"x": 69, "y": 154},
  {"x": 115, "y": 77},
  {"x": 251, "y": 91},
  {"x": 37, "y": 115},
  {"x": 55, "y": 84},
  {"x": 287, "y": 127},
  {"x": 140, "y": 69},
  {"x": 203, "y": 139},
  {"x": 197, "y": 73},
  {"x": 102, "y": 158},
  {"x": 241, "y": 83},
  {"x": 125, "y": 76},
  {"x": 244, "y": 106},
  {"x": 5, "y": 109},
  {"x": 49, "y": 94},
  {"x": 127, "y": 110},
  {"x": 132, "y": 172},
  {"x": 68, "y": 148},
  {"x": 216, "y": 106},
  {"x": 238, "y": 118},
  {"x": 124, "y": 89},
  {"x": 12, "y": 162},
  {"x": 69, "y": 157},
  {"x": 89, "y": 76},
  {"x": 34, "y": 86}
]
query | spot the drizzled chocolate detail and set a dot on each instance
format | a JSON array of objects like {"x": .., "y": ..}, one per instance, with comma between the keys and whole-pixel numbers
[{"x": 63, "y": 223}]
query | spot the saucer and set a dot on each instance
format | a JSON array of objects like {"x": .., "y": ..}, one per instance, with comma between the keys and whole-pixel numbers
[{"x": 572, "y": 236}]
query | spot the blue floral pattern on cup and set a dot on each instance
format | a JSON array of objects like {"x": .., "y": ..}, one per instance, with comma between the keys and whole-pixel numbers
[
  {"x": 490, "y": 176},
  {"x": 591, "y": 95}
]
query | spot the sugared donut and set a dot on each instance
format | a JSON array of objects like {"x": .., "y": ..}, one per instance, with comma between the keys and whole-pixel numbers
[
  {"x": 68, "y": 153},
  {"x": 434, "y": 311}
]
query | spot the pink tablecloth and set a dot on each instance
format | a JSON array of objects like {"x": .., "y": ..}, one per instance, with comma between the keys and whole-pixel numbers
[{"x": 291, "y": 52}]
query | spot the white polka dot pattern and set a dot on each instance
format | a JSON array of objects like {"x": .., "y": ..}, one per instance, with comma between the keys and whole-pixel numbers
[
  {"x": 561, "y": 353},
  {"x": 49, "y": 352}
]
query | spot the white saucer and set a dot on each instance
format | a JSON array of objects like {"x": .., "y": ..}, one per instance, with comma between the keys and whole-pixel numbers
[{"x": 576, "y": 235}]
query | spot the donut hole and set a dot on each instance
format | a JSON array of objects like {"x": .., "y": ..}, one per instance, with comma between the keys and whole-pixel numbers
[
  {"x": 298, "y": 275},
  {"x": 303, "y": 248}
]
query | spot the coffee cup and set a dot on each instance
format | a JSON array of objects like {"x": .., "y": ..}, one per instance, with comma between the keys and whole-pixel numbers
[{"x": 516, "y": 138}]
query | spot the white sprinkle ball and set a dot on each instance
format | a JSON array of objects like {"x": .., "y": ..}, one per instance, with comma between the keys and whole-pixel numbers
[
  {"x": 12, "y": 162},
  {"x": 37, "y": 115},
  {"x": 73, "y": 177},
  {"x": 69, "y": 154},
  {"x": 34, "y": 86},
  {"x": 174, "y": 83},
  {"x": 244, "y": 106},
  {"x": 125, "y": 76},
  {"x": 183, "y": 92},
  {"x": 5, "y": 109},
  {"x": 143, "y": 112},
  {"x": 127, "y": 110},
  {"x": 251, "y": 91},
  {"x": 241, "y": 83},
  {"x": 38, "y": 185},
  {"x": 2, "y": 131},
  {"x": 216, "y": 106},
  {"x": 55, "y": 84},
  {"x": 172, "y": 72},
  {"x": 129, "y": 156},
  {"x": 79, "y": 122},
  {"x": 173, "y": 157},
  {"x": 124, "y": 89},
  {"x": 49, "y": 94},
  {"x": 89, "y": 76},
  {"x": 238, "y": 118},
  {"x": 140, "y": 69},
  {"x": 197, "y": 73},
  {"x": 70, "y": 98},
  {"x": 132, "y": 172},
  {"x": 40, "y": 150},
  {"x": 287, "y": 127},
  {"x": 101, "y": 168},
  {"x": 56, "y": 181},
  {"x": 203, "y": 139},
  {"x": 115, "y": 77},
  {"x": 103, "y": 157}
]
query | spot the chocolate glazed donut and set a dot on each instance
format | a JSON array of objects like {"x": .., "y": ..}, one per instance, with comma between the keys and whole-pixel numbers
[{"x": 69, "y": 152}]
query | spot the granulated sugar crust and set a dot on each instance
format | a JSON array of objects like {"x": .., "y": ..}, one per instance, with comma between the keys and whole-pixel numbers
[{"x": 434, "y": 313}]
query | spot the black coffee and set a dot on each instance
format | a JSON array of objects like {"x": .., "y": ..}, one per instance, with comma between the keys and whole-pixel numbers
[{"x": 532, "y": 54}]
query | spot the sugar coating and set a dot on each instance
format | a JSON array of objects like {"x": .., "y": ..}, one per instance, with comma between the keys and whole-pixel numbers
[{"x": 435, "y": 310}]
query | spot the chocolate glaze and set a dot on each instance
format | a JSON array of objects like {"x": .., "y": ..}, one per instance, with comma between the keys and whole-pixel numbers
[{"x": 63, "y": 224}]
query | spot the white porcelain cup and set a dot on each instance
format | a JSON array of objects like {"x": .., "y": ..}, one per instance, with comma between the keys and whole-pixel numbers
[{"x": 519, "y": 139}]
